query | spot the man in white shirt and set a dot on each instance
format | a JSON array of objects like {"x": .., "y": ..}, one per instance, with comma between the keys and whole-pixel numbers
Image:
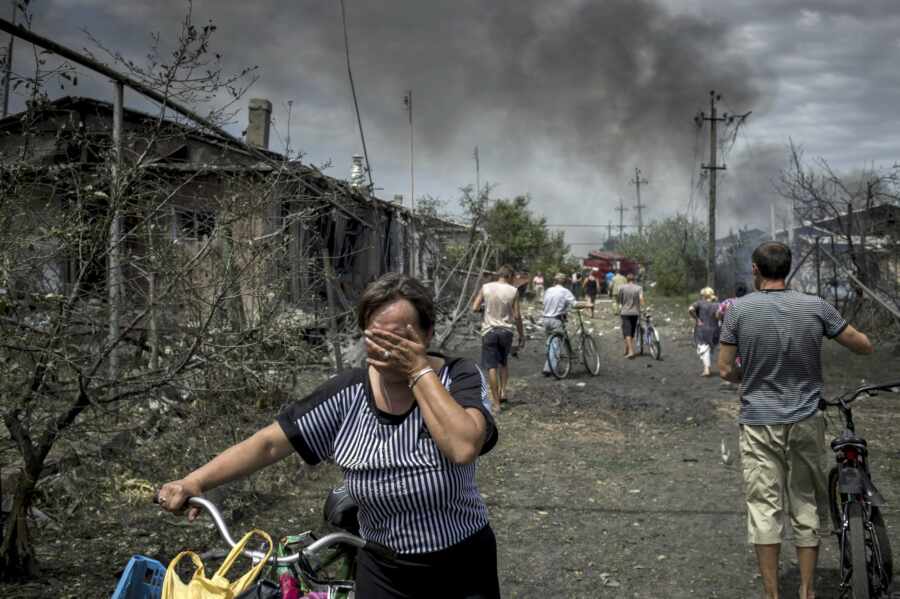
[
  {"x": 500, "y": 300},
  {"x": 557, "y": 301}
]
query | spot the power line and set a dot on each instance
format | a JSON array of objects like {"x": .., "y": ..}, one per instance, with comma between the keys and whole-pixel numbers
[
  {"x": 355, "y": 102},
  {"x": 588, "y": 226}
]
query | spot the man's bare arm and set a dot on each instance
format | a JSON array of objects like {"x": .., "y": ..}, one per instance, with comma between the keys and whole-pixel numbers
[
  {"x": 855, "y": 341},
  {"x": 520, "y": 327},
  {"x": 476, "y": 303},
  {"x": 728, "y": 370}
]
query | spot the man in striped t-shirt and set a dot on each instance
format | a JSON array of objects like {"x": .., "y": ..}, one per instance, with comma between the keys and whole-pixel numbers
[{"x": 777, "y": 334}]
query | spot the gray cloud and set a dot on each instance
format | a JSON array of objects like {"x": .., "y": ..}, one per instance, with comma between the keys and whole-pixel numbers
[{"x": 563, "y": 98}]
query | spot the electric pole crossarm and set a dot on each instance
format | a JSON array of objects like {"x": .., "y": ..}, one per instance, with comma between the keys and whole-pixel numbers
[{"x": 637, "y": 182}]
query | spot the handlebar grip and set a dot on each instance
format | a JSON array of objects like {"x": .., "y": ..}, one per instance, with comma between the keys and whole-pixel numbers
[{"x": 380, "y": 550}]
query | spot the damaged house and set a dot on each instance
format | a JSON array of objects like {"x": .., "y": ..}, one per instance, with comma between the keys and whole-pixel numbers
[{"x": 319, "y": 229}]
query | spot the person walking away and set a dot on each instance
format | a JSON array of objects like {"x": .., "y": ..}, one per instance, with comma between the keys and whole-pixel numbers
[
  {"x": 777, "y": 334},
  {"x": 538, "y": 282},
  {"x": 706, "y": 327},
  {"x": 740, "y": 290},
  {"x": 618, "y": 280},
  {"x": 629, "y": 298},
  {"x": 590, "y": 289},
  {"x": 577, "y": 287},
  {"x": 557, "y": 301},
  {"x": 609, "y": 283},
  {"x": 502, "y": 316},
  {"x": 406, "y": 431}
]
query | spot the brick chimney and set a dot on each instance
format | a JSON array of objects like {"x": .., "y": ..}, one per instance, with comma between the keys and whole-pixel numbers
[{"x": 258, "y": 123}]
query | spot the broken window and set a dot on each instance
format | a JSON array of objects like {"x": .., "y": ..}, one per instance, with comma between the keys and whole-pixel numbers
[{"x": 190, "y": 223}]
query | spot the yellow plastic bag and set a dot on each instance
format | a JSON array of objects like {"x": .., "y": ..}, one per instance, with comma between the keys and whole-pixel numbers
[{"x": 217, "y": 587}]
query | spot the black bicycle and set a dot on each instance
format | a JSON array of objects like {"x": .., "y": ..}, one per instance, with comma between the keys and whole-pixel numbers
[
  {"x": 866, "y": 561},
  {"x": 559, "y": 349},
  {"x": 647, "y": 336}
]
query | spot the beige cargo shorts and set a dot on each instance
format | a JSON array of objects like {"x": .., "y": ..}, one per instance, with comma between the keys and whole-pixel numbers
[{"x": 783, "y": 473}]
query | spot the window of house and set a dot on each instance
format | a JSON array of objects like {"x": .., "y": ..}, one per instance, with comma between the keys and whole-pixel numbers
[{"x": 191, "y": 223}]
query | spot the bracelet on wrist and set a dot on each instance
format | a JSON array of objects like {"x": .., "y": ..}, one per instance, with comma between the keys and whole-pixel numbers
[{"x": 415, "y": 377}]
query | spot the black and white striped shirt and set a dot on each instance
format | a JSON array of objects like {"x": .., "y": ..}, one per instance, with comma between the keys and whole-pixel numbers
[
  {"x": 411, "y": 498},
  {"x": 778, "y": 334}
]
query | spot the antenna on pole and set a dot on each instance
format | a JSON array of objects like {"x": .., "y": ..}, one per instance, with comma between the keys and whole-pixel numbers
[
  {"x": 477, "y": 175},
  {"x": 287, "y": 142},
  {"x": 408, "y": 102},
  {"x": 355, "y": 102}
]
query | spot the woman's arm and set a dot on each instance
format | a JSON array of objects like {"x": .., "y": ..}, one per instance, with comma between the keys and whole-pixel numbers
[
  {"x": 693, "y": 312},
  {"x": 458, "y": 432},
  {"x": 265, "y": 447}
]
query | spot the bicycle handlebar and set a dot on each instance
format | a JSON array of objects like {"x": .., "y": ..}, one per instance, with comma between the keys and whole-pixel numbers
[
  {"x": 329, "y": 540},
  {"x": 850, "y": 397}
]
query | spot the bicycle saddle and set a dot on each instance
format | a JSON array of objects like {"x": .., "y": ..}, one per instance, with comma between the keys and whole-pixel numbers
[
  {"x": 848, "y": 438},
  {"x": 341, "y": 510}
]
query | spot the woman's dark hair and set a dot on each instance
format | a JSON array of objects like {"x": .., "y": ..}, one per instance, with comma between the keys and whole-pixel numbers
[
  {"x": 393, "y": 286},
  {"x": 773, "y": 259},
  {"x": 740, "y": 290}
]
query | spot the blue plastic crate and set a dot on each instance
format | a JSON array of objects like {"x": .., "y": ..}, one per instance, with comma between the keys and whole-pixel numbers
[{"x": 142, "y": 579}]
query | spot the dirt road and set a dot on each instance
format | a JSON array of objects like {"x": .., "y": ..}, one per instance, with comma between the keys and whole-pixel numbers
[
  {"x": 607, "y": 486},
  {"x": 615, "y": 486}
]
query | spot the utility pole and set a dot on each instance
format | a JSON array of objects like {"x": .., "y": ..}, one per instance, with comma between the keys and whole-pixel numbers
[
  {"x": 637, "y": 182},
  {"x": 712, "y": 167},
  {"x": 114, "y": 257},
  {"x": 609, "y": 231},
  {"x": 621, "y": 210},
  {"x": 7, "y": 77}
]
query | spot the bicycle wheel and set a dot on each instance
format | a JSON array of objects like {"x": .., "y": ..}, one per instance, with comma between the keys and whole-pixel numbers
[
  {"x": 590, "y": 355},
  {"x": 885, "y": 570},
  {"x": 559, "y": 355},
  {"x": 835, "y": 500},
  {"x": 655, "y": 347},
  {"x": 859, "y": 575}
]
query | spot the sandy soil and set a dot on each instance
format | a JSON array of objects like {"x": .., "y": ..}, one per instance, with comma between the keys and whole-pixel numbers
[{"x": 607, "y": 486}]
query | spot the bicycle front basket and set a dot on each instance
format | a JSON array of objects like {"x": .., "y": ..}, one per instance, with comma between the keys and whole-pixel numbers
[{"x": 142, "y": 579}]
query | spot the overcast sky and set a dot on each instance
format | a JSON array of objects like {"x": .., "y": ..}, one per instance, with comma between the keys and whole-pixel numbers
[{"x": 564, "y": 99}]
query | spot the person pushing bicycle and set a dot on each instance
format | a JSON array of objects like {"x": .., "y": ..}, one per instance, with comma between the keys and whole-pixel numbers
[
  {"x": 557, "y": 302},
  {"x": 777, "y": 334}
]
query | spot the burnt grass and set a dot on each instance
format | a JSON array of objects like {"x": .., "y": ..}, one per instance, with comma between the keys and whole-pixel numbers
[{"x": 607, "y": 486}]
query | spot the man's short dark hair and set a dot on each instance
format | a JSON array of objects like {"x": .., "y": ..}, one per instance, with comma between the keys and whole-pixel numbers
[
  {"x": 393, "y": 286},
  {"x": 773, "y": 259},
  {"x": 505, "y": 272}
]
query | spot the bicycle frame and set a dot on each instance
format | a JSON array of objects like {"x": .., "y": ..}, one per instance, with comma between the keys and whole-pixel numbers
[
  {"x": 852, "y": 486},
  {"x": 307, "y": 560}
]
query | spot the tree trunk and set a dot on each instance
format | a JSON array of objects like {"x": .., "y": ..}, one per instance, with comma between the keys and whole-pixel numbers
[{"x": 17, "y": 560}]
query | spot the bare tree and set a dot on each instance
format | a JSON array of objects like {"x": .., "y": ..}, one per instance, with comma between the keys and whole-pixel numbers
[
  {"x": 852, "y": 222},
  {"x": 200, "y": 309}
]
